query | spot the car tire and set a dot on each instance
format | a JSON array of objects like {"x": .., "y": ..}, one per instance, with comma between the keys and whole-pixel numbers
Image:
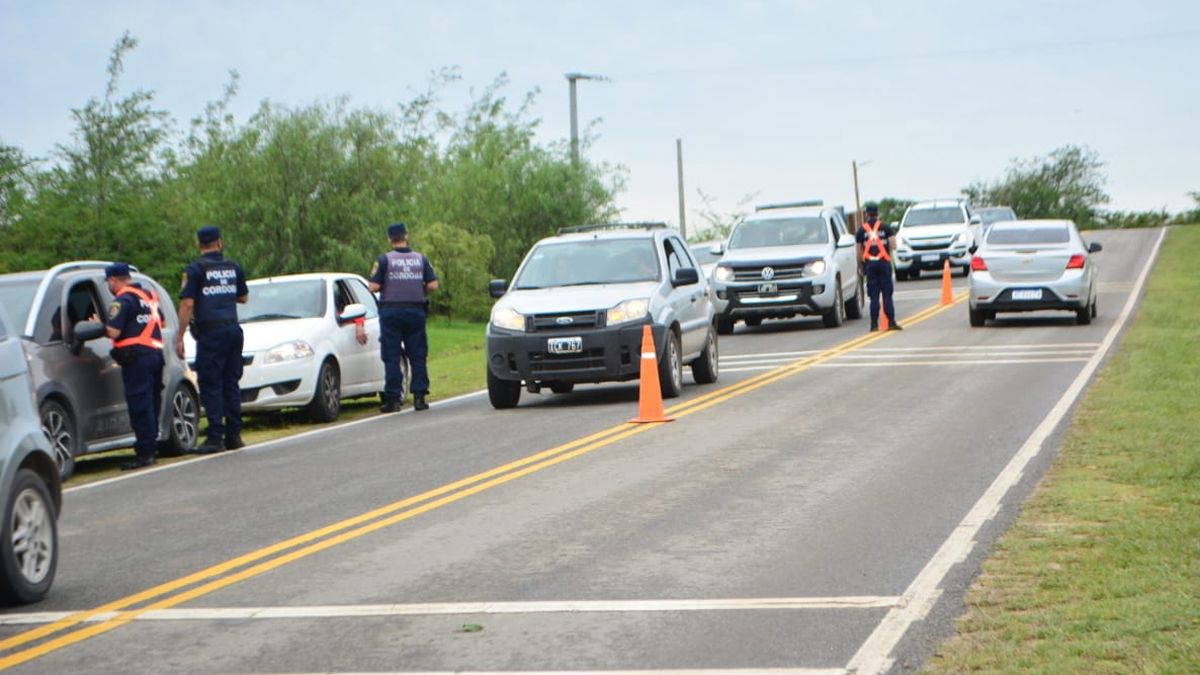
[
  {"x": 855, "y": 305},
  {"x": 1083, "y": 316},
  {"x": 503, "y": 394},
  {"x": 326, "y": 402},
  {"x": 966, "y": 271},
  {"x": 753, "y": 321},
  {"x": 901, "y": 275},
  {"x": 706, "y": 367},
  {"x": 914, "y": 273},
  {"x": 670, "y": 367},
  {"x": 834, "y": 316},
  {"x": 1094, "y": 313},
  {"x": 28, "y": 540},
  {"x": 59, "y": 427},
  {"x": 725, "y": 326},
  {"x": 977, "y": 317},
  {"x": 184, "y": 423},
  {"x": 562, "y": 387}
]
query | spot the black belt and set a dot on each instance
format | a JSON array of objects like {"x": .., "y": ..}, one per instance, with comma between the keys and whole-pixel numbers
[
  {"x": 220, "y": 323},
  {"x": 402, "y": 305}
]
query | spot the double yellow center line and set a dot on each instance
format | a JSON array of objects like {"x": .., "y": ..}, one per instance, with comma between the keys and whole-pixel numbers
[{"x": 254, "y": 563}]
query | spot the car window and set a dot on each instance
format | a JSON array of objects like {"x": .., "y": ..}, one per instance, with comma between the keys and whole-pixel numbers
[
  {"x": 365, "y": 297},
  {"x": 677, "y": 257},
  {"x": 1028, "y": 235},
  {"x": 342, "y": 297},
  {"x": 780, "y": 232},
  {"x": 282, "y": 300},
  {"x": 588, "y": 261},
  {"x": 17, "y": 298},
  {"x": 82, "y": 304},
  {"x": 942, "y": 215}
]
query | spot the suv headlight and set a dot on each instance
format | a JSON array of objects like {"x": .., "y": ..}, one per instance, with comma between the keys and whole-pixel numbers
[
  {"x": 901, "y": 242},
  {"x": 815, "y": 268},
  {"x": 289, "y": 351},
  {"x": 630, "y": 310},
  {"x": 963, "y": 238},
  {"x": 503, "y": 317},
  {"x": 723, "y": 273}
]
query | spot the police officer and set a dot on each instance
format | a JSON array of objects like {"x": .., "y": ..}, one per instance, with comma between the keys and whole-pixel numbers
[
  {"x": 135, "y": 325},
  {"x": 212, "y": 285},
  {"x": 875, "y": 249},
  {"x": 403, "y": 278}
]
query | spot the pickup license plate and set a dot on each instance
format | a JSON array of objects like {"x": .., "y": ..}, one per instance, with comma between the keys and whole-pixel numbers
[
  {"x": 1027, "y": 294},
  {"x": 568, "y": 345},
  {"x": 768, "y": 289}
]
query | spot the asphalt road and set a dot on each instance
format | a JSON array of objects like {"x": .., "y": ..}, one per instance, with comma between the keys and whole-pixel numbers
[{"x": 820, "y": 508}]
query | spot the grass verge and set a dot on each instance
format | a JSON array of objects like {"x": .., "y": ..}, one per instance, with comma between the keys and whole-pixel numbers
[
  {"x": 1101, "y": 571},
  {"x": 456, "y": 366}
]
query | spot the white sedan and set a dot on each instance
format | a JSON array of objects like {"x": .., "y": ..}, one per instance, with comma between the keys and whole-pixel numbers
[{"x": 301, "y": 347}]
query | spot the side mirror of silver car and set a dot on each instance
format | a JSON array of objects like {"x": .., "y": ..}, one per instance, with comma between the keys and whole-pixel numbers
[{"x": 85, "y": 331}]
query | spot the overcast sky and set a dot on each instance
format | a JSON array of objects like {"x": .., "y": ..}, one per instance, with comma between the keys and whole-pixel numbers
[{"x": 773, "y": 99}]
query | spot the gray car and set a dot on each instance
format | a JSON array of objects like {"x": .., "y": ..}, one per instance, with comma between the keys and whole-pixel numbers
[
  {"x": 30, "y": 489},
  {"x": 80, "y": 395}
]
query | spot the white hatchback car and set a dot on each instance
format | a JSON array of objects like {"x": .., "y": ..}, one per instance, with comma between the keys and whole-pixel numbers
[{"x": 300, "y": 347}]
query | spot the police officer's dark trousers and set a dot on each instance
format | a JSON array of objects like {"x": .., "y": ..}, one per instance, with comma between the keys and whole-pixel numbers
[
  {"x": 141, "y": 371},
  {"x": 879, "y": 280},
  {"x": 219, "y": 368},
  {"x": 403, "y": 332}
]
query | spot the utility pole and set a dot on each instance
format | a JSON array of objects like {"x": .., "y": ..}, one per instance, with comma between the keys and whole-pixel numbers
[
  {"x": 679, "y": 168},
  {"x": 857, "y": 203},
  {"x": 571, "y": 78}
]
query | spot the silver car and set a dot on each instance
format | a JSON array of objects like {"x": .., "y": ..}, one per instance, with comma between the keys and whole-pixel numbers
[
  {"x": 80, "y": 394},
  {"x": 30, "y": 490},
  {"x": 1031, "y": 265}
]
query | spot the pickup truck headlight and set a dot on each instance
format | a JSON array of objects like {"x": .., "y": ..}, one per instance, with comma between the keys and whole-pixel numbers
[
  {"x": 723, "y": 273},
  {"x": 503, "y": 317},
  {"x": 815, "y": 268},
  {"x": 289, "y": 351},
  {"x": 963, "y": 238},
  {"x": 630, "y": 310}
]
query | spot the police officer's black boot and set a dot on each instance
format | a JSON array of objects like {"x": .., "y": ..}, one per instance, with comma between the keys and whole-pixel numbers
[
  {"x": 419, "y": 403},
  {"x": 234, "y": 441},
  {"x": 391, "y": 407},
  {"x": 212, "y": 445},
  {"x": 139, "y": 462},
  {"x": 874, "y": 327}
]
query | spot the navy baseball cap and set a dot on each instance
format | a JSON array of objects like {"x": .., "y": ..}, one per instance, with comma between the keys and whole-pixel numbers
[
  {"x": 117, "y": 269},
  {"x": 397, "y": 230},
  {"x": 208, "y": 234},
  {"x": 871, "y": 207}
]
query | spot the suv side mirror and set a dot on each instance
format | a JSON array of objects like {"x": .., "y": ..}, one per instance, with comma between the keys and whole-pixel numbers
[
  {"x": 497, "y": 287},
  {"x": 717, "y": 249},
  {"x": 846, "y": 240},
  {"x": 976, "y": 220},
  {"x": 85, "y": 331},
  {"x": 352, "y": 312},
  {"x": 1095, "y": 247},
  {"x": 685, "y": 276}
]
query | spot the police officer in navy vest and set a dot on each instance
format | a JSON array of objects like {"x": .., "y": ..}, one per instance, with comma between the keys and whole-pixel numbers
[
  {"x": 135, "y": 325},
  {"x": 212, "y": 287},
  {"x": 875, "y": 250},
  {"x": 403, "y": 278}
]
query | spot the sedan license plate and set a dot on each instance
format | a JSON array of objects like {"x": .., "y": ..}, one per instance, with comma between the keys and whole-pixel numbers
[
  {"x": 1027, "y": 294},
  {"x": 568, "y": 345},
  {"x": 768, "y": 289}
]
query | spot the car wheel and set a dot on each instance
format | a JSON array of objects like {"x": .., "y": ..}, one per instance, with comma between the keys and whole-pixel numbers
[
  {"x": 327, "y": 401},
  {"x": 854, "y": 306},
  {"x": 914, "y": 273},
  {"x": 503, "y": 394},
  {"x": 562, "y": 387},
  {"x": 706, "y": 368},
  {"x": 28, "y": 540},
  {"x": 977, "y": 317},
  {"x": 1083, "y": 316},
  {"x": 59, "y": 427},
  {"x": 1093, "y": 308},
  {"x": 725, "y": 326},
  {"x": 185, "y": 422},
  {"x": 901, "y": 275},
  {"x": 834, "y": 316},
  {"x": 670, "y": 367}
]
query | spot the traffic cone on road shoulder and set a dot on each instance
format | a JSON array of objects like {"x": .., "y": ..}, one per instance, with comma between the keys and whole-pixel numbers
[
  {"x": 947, "y": 287},
  {"x": 883, "y": 320},
  {"x": 650, "y": 402}
]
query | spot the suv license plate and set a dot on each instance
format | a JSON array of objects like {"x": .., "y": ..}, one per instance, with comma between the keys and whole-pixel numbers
[
  {"x": 768, "y": 289},
  {"x": 570, "y": 345},
  {"x": 1027, "y": 294}
]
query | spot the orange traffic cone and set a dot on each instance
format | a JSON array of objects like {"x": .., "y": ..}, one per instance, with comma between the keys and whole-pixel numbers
[
  {"x": 650, "y": 403},
  {"x": 947, "y": 289},
  {"x": 883, "y": 321}
]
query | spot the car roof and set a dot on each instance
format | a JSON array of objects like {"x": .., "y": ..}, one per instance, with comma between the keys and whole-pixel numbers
[
  {"x": 938, "y": 203},
  {"x": 994, "y": 208},
  {"x": 610, "y": 234},
  {"x": 303, "y": 277},
  {"x": 790, "y": 212},
  {"x": 1046, "y": 223}
]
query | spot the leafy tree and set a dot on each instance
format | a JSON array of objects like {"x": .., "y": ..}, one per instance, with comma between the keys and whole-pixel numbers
[
  {"x": 1190, "y": 217},
  {"x": 718, "y": 224},
  {"x": 1066, "y": 184},
  {"x": 15, "y": 186},
  {"x": 1132, "y": 219},
  {"x": 891, "y": 209},
  {"x": 461, "y": 260}
]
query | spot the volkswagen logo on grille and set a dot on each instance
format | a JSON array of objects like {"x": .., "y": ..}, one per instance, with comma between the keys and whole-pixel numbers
[
  {"x": 564, "y": 320},
  {"x": 768, "y": 273}
]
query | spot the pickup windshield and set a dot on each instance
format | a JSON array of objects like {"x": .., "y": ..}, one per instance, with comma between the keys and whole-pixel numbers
[
  {"x": 947, "y": 215},
  {"x": 594, "y": 261},
  {"x": 780, "y": 232},
  {"x": 282, "y": 300}
]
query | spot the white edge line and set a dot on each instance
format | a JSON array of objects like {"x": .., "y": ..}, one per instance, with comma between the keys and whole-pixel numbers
[
  {"x": 922, "y": 593},
  {"x": 265, "y": 444},
  {"x": 955, "y": 362},
  {"x": 694, "y": 671}
]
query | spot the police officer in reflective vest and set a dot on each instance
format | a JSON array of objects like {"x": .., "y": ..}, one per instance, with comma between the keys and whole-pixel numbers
[
  {"x": 212, "y": 287},
  {"x": 403, "y": 278},
  {"x": 135, "y": 325},
  {"x": 875, "y": 249}
]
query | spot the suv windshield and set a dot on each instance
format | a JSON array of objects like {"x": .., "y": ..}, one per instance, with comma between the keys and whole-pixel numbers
[
  {"x": 593, "y": 261},
  {"x": 945, "y": 215},
  {"x": 1029, "y": 235},
  {"x": 278, "y": 300},
  {"x": 989, "y": 215},
  {"x": 17, "y": 298},
  {"x": 780, "y": 232}
]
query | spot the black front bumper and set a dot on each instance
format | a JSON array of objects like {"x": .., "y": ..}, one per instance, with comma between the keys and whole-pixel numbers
[
  {"x": 608, "y": 354},
  {"x": 744, "y": 300}
]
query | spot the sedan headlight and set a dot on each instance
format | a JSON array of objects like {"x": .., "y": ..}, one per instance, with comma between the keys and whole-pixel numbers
[
  {"x": 630, "y": 310},
  {"x": 289, "y": 351},
  {"x": 815, "y": 268},
  {"x": 723, "y": 273},
  {"x": 510, "y": 319}
]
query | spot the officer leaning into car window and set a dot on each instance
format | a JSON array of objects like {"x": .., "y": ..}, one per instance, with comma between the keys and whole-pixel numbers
[
  {"x": 403, "y": 278},
  {"x": 875, "y": 249},
  {"x": 135, "y": 325},
  {"x": 212, "y": 287}
]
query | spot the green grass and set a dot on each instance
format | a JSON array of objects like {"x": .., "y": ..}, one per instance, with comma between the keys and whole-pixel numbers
[
  {"x": 456, "y": 366},
  {"x": 1101, "y": 571}
]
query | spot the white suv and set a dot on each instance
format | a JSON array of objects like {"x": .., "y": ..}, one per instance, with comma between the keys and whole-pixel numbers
[{"x": 933, "y": 232}]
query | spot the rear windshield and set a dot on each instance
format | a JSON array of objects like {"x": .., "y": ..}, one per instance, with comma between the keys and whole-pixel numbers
[
  {"x": 17, "y": 298},
  {"x": 282, "y": 300},
  {"x": 780, "y": 232},
  {"x": 1029, "y": 235},
  {"x": 945, "y": 215},
  {"x": 586, "y": 262}
]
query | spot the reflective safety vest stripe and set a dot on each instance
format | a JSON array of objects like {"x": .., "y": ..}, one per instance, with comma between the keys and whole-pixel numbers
[
  {"x": 873, "y": 241},
  {"x": 146, "y": 338}
]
